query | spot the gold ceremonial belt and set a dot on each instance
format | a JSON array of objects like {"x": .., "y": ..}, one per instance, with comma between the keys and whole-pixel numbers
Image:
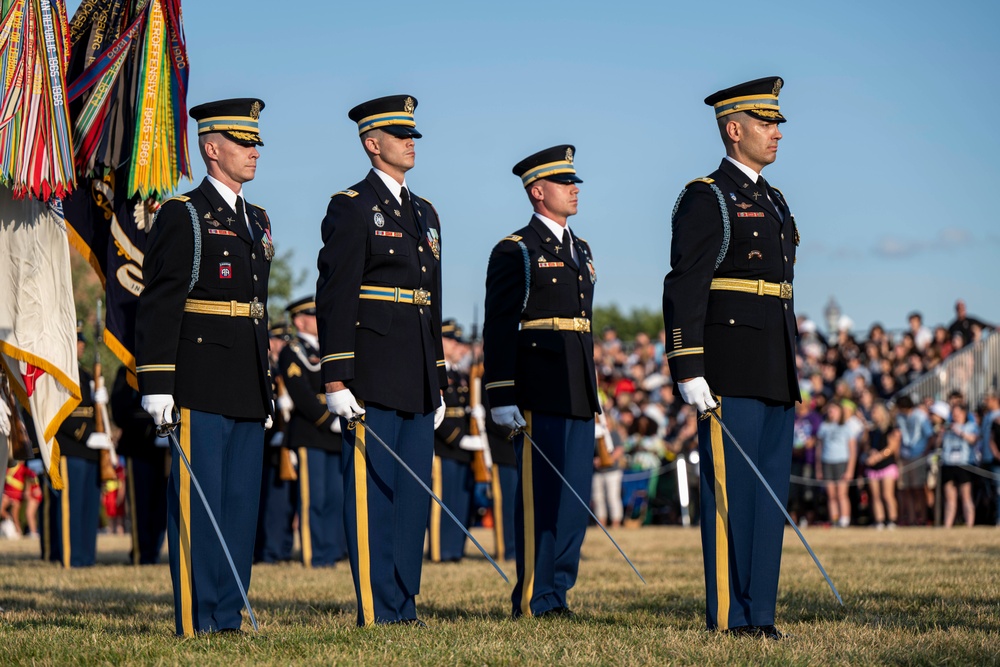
[
  {"x": 418, "y": 297},
  {"x": 758, "y": 287},
  {"x": 451, "y": 412},
  {"x": 254, "y": 309},
  {"x": 578, "y": 324}
]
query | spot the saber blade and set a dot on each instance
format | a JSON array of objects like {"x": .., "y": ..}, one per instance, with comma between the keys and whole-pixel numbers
[
  {"x": 780, "y": 505},
  {"x": 353, "y": 423},
  {"x": 587, "y": 507},
  {"x": 168, "y": 430}
]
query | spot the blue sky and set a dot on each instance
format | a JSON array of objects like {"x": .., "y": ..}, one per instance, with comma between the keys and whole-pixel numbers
[{"x": 889, "y": 158}]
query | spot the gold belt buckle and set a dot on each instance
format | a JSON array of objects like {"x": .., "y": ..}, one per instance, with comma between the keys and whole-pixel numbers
[
  {"x": 257, "y": 310},
  {"x": 581, "y": 325},
  {"x": 421, "y": 297},
  {"x": 785, "y": 290}
]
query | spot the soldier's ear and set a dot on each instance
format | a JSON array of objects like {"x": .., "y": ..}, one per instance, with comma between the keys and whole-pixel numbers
[
  {"x": 371, "y": 145},
  {"x": 734, "y": 131}
]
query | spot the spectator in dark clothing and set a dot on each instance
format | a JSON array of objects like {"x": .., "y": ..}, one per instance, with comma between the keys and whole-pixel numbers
[{"x": 963, "y": 324}]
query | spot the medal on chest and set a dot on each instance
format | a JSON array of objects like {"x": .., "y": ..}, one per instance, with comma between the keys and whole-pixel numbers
[
  {"x": 434, "y": 241},
  {"x": 268, "y": 245}
]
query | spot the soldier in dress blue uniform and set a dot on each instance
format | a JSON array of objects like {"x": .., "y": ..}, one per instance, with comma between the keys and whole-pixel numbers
[
  {"x": 451, "y": 474},
  {"x": 147, "y": 461},
  {"x": 539, "y": 357},
  {"x": 730, "y": 322},
  {"x": 72, "y": 516},
  {"x": 378, "y": 301},
  {"x": 315, "y": 435},
  {"x": 201, "y": 346},
  {"x": 279, "y": 489},
  {"x": 503, "y": 486}
]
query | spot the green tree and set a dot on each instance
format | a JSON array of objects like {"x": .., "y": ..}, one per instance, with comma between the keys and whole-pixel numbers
[
  {"x": 281, "y": 286},
  {"x": 638, "y": 320}
]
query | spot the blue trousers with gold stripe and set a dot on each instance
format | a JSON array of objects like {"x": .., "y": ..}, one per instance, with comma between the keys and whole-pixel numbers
[
  {"x": 321, "y": 507},
  {"x": 504, "y": 488},
  {"x": 146, "y": 486},
  {"x": 741, "y": 528},
  {"x": 385, "y": 511},
  {"x": 452, "y": 481},
  {"x": 71, "y": 517},
  {"x": 226, "y": 457},
  {"x": 547, "y": 515}
]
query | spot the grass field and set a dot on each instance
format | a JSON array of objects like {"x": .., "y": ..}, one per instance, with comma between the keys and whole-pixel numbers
[{"x": 912, "y": 597}]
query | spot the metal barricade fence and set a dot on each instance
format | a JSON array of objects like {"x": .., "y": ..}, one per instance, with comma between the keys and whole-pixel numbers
[{"x": 973, "y": 371}]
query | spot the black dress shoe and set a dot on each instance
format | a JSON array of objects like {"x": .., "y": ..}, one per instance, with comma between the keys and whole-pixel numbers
[
  {"x": 415, "y": 622},
  {"x": 564, "y": 612},
  {"x": 743, "y": 631},
  {"x": 770, "y": 632},
  {"x": 230, "y": 631}
]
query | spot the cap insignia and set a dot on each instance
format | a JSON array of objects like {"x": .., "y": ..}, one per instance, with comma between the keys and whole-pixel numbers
[
  {"x": 408, "y": 105},
  {"x": 777, "y": 87},
  {"x": 569, "y": 154},
  {"x": 255, "y": 110}
]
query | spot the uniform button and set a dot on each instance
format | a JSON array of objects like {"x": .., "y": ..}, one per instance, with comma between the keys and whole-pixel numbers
[
  {"x": 421, "y": 311},
  {"x": 225, "y": 253},
  {"x": 357, "y": 324},
  {"x": 553, "y": 280},
  {"x": 534, "y": 345},
  {"x": 253, "y": 255},
  {"x": 256, "y": 321},
  {"x": 420, "y": 248},
  {"x": 786, "y": 258},
  {"x": 199, "y": 339},
  {"x": 786, "y": 306},
  {"x": 581, "y": 295},
  {"x": 756, "y": 234},
  {"x": 391, "y": 251},
  {"x": 580, "y": 278},
  {"x": 583, "y": 312},
  {"x": 424, "y": 269},
  {"x": 255, "y": 276},
  {"x": 782, "y": 237}
]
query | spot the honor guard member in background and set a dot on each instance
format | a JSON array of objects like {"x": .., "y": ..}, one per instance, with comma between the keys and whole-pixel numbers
[
  {"x": 539, "y": 356},
  {"x": 71, "y": 517},
  {"x": 279, "y": 489},
  {"x": 730, "y": 322},
  {"x": 503, "y": 486},
  {"x": 315, "y": 436},
  {"x": 147, "y": 463},
  {"x": 378, "y": 301},
  {"x": 201, "y": 347},
  {"x": 451, "y": 473}
]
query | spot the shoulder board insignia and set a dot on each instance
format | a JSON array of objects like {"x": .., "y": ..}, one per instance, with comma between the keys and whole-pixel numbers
[
  {"x": 582, "y": 240},
  {"x": 426, "y": 200},
  {"x": 258, "y": 206},
  {"x": 706, "y": 180},
  {"x": 513, "y": 237},
  {"x": 349, "y": 193},
  {"x": 180, "y": 198}
]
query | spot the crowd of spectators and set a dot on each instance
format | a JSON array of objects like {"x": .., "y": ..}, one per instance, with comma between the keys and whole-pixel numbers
[{"x": 864, "y": 453}]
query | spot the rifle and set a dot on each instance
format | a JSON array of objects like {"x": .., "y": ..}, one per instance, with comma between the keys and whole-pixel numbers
[
  {"x": 286, "y": 469},
  {"x": 482, "y": 462},
  {"x": 109, "y": 457},
  {"x": 606, "y": 445}
]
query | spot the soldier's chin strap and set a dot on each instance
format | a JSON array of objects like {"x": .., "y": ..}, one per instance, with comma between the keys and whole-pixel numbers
[
  {"x": 353, "y": 423},
  {"x": 521, "y": 431},
  {"x": 167, "y": 429},
  {"x": 714, "y": 415}
]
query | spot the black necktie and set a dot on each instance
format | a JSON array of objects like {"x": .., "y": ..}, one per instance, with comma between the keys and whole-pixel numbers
[
  {"x": 772, "y": 199},
  {"x": 241, "y": 214},
  {"x": 407, "y": 208},
  {"x": 566, "y": 252}
]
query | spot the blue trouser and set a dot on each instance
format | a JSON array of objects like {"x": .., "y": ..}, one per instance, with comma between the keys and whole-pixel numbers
[
  {"x": 551, "y": 520},
  {"x": 71, "y": 517},
  {"x": 741, "y": 527},
  {"x": 321, "y": 507},
  {"x": 504, "y": 489},
  {"x": 995, "y": 468},
  {"x": 385, "y": 511},
  {"x": 278, "y": 500},
  {"x": 226, "y": 457},
  {"x": 453, "y": 483},
  {"x": 146, "y": 486}
]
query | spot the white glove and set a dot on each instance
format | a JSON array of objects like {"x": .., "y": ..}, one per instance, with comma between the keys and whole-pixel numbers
[
  {"x": 98, "y": 440},
  {"x": 509, "y": 416},
  {"x": 277, "y": 439},
  {"x": 101, "y": 396},
  {"x": 479, "y": 413},
  {"x": 285, "y": 403},
  {"x": 439, "y": 415},
  {"x": 160, "y": 407},
  {"x": 471, "y": 443},
  {"x": 4, "y": 418},
  {"x": 696, "y": 392},
  {"x": 343, "y": 404},
  {"x": 268, "y": 423},
  {"x": 335, "y": 424}
]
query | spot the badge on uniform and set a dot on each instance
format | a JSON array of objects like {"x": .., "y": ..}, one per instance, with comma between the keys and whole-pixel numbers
[
  {"x": 268, "y": 245},
  {"x": 434, "y": 241},
  {"x": 744, "y": 205},
  {"x": 379, "y": 219},
  {"x": 394, "y": 235},
  {"x": 225, "y": 270},
  {"x": 732, "y": 195},
  {"x": 211, "y": 220},
  {"x": 593, "y": 272}
]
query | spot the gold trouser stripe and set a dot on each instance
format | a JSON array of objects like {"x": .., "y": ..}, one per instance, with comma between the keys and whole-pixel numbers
[
  {"x": 361, "y": 513},
  {"x": 528, "y": 538},
  {"x": 64, "y": 513},
  {"x": 721, "y": 526},
  {"x": 130, "y": 490},
  {"x": 498, "y": 552},
  {"x": 305, "y": 533},
  {"x": 435, "y": 527},
  {"x": 47, "y": 526},
  {"x": 186, "y": 575}
]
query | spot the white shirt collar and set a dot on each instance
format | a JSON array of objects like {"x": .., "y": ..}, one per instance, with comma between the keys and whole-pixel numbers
[
  {"x": 557, "y": 230},
  {"x": 751, "y": 174},
  {"x": 394, "y": 187},
  {"x": 226, "y": 193},
  {"x": 311, "y": 340}
]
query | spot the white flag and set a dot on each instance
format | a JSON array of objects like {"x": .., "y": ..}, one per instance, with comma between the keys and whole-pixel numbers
[{"x": 38, "y": 318}]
